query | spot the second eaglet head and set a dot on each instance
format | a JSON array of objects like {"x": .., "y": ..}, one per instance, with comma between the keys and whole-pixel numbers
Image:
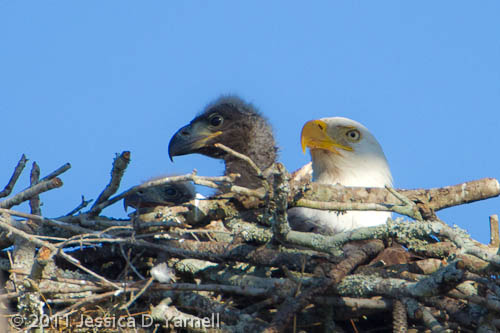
[
  {"x": 344, "y": 151},
  {"x": 169, "y": 194}
]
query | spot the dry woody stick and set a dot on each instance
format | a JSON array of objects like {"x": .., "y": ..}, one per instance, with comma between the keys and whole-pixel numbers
[{"x": 239, "y": 260}]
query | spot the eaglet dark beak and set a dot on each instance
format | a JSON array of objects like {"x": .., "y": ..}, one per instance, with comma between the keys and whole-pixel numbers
[{"x": 189, "y": 139}]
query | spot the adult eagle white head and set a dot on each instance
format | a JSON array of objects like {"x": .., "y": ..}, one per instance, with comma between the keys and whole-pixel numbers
[{"x": 343, "y": 152}]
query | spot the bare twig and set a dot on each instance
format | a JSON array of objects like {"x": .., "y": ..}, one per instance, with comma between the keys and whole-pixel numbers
[
  {"x": 57, "y": 172},
  {"x": 81, "y": 206},
  {"x": 165, "y": 310},
  {"x": 129, "y": 263},
  {"x": 15, "y": 176},
  {"x": 494, "y": 233},
  {"x": 4, "y": 224},
  {"x": 417, "y": 311},
  {"x": 35, "y": 200},
  {"x": 353, "y": 306},
  {"x": 119, "y": 165},
  {"x": 31, "y": 192},
  {"x": 213, "y": 287},
  {"x": 242, "y": 157},
  {"x": 88, "y": 300},
  {"x": 67, "y": 226},
  {"x": 254, "y": 166},
  {"x": 139, "y": 294},
  {"x": 409, "y": 209},
  {"x": 466, "y": 244},
  {"x": 488, "y": 303}
]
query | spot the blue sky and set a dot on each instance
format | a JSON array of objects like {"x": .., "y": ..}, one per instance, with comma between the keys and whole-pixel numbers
[{"x": 83, "y": 80}]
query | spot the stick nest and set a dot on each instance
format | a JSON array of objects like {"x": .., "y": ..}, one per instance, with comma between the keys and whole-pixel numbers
[{"x": 231, "y": 263}]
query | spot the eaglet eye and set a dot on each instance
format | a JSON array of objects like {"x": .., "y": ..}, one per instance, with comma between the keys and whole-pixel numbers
[
  {"x": 171, "y": 192},
  {"x": 353, "y": 135},
  {"x": 215, "y": 120}
]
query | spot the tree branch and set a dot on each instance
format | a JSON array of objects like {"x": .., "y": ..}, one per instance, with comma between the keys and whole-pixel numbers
[
  {"x": 15, "y": 176},
  {"x": 31, "y": 192},
  {"x": 434, "y": 199}
]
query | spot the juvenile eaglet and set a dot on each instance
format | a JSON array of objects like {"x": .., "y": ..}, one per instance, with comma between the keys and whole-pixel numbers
[
  {"x": 342, "y": 152},
  {"x": 169, "y": 194},
  {"x": 236, "y": 124}
]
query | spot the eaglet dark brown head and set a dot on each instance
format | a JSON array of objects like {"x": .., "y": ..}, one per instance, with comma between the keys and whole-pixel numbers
[
  {"x": 236, "y": 124},
  {"x": 170, "y": 194}
]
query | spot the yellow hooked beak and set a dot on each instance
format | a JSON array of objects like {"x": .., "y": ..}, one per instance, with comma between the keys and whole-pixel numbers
[{"x": 314, "y": 136}]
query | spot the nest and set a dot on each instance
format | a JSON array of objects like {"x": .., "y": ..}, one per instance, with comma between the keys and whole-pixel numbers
[{"x": 231, "y": 263}]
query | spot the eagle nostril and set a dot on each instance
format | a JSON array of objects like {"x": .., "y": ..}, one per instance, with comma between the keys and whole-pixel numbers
[{"x": 185, "y": 132}]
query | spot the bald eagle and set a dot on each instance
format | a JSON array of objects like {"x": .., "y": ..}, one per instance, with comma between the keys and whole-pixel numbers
[
  {"x": 236, "y": 124},
  {"x": 343, "y": 152}
]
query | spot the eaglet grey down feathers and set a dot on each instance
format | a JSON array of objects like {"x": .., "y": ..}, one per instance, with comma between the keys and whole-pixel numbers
[{"x": 236, "y": 124}]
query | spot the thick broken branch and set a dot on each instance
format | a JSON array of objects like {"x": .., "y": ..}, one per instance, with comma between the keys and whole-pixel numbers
[
  {"x": 435, "y": 199},
  {"x": 368, "y": 286},
  {"x": 31, "y": 192},
  {"x": 318, "y": 195}
]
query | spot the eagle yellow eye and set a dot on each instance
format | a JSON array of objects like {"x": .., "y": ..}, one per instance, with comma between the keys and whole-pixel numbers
[{"x": 353, "y": 135}]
